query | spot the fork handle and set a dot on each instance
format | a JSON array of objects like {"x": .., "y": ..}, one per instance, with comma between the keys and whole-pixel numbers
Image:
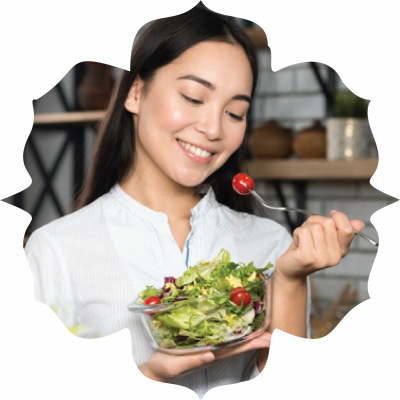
[{"x": 367, "y": 238}]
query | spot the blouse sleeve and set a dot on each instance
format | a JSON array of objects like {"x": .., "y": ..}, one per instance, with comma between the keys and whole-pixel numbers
[{"x": 50, "y": 273}]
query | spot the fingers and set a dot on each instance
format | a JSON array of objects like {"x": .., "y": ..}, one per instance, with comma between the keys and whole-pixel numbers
[
  {"x": 330, "y": 238},
  {"x": 260, "y": 342},
  {"x": 345, "y": 230},
  {"x": 321, "y": 242},
  {"x": 318, "y": 248},
  {"x": 357, "y": 225},
  {"x": 169, "y": 367}
]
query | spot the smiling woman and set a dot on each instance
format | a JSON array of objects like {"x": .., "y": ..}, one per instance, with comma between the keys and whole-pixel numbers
[
  {"x": 159, "y": 199},
  {"x": 201, "y": 118},
  {"x": 188, "y": 60}
]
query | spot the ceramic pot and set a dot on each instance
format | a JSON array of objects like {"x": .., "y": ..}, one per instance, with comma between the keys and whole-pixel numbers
[
  {"x": 311, "y": 141},
  {"x": 270, "y": 140},
  {"x": 348, "y": 138},
  {"x": 95, "y": 87}
]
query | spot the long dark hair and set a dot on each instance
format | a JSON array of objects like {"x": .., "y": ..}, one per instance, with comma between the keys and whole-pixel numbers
[{"x": 161, "y": 43}]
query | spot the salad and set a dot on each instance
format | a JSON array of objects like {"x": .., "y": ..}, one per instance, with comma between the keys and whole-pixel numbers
[{"x": 223, "y": 301}]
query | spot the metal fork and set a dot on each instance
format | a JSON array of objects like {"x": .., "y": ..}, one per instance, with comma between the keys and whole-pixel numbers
[{"x": 299, "y": 210}]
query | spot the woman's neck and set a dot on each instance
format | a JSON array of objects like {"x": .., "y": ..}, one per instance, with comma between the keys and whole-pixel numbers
[{"x": 161, "y": 195}]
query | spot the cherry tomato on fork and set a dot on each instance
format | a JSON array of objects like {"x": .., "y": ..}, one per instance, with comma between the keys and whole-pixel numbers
[
  {"x": 240, "y": 294},
  {"x": 241, "y": 182}
]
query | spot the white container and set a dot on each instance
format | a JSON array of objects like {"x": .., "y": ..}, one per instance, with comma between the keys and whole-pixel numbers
[{"x": 347, "y": 138}]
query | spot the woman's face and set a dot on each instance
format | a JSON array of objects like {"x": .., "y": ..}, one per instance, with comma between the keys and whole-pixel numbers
[{"x": 192, "y": 116}]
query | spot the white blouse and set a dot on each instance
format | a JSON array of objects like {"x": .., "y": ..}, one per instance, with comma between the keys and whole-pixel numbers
[{"x": 91, "y": 264}]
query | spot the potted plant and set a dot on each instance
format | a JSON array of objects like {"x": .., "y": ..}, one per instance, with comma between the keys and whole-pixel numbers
[{"x": 348, "y": 131}]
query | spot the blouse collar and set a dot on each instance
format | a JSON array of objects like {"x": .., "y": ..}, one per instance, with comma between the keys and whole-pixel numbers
[{"x": 207, "y": 202}]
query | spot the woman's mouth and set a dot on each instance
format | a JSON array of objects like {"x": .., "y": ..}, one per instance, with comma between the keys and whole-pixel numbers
[
  {"x": 195, "y": 150},
  {"x": 195, "y": 153}
]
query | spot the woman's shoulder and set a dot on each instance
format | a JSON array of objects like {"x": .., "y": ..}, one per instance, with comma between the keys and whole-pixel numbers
[{"x": 82, "y": 221}]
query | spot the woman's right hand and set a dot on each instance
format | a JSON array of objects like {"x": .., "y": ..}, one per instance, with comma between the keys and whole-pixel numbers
[{"x": 166, "y": 368}]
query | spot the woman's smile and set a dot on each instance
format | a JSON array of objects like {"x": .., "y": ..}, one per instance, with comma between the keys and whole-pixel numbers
[{"x": 197, "y": 154}]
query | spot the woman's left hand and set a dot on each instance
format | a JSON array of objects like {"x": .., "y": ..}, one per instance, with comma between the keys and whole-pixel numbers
[{"x": 321, "y": 242}]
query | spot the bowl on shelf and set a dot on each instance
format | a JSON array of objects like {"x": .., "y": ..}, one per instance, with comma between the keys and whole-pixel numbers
[
  {"x": 270, "y": 140},
  {"x": 208, "y": 322}
]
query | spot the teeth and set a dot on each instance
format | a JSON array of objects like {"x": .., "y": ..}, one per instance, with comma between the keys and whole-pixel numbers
[{"x": 195, "y": 150}]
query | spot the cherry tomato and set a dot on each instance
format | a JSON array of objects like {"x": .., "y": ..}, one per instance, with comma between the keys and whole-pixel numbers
[
  {"x": 152, "y": 300},
  {"x": 260, "y": 277},
  {"x": 240, "y": 294},
  {"x": 241, "y": 182}
]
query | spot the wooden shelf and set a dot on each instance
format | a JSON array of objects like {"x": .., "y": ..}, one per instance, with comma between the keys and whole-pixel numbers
[
  {"x": 312, "y": 169},
  {"x": 68, "y": 118}
]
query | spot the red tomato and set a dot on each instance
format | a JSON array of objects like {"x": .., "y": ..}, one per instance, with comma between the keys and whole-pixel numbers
[
  {"x": 240, "y": 294},
  {"x": 260, "y": 277},
  {"x": 241, "y": 182},
  {"x": 152, "y": 300}
]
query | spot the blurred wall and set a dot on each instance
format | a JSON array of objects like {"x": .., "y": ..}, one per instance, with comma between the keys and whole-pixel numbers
[{"x": 292, "y": 97}]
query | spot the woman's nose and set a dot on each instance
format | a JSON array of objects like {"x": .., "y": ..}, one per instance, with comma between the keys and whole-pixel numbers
[{"x": 211, "y": 125}]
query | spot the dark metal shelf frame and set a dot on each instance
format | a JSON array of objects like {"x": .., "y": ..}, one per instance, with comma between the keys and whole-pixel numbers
[{"x": 75, "y": 137}]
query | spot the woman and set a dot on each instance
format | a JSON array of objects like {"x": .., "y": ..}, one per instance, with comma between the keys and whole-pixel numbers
[{"x": 175, "y": 126}]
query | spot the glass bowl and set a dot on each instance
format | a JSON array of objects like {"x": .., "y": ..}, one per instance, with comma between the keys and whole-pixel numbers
[{"x": 206, "y": 323}]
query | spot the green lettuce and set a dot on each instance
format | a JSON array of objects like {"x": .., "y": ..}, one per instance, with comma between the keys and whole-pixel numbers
[
  {"x": 182, "y": 317},
  {"x": 207, "y": 316},
  {"x": 148, "y": 292}
]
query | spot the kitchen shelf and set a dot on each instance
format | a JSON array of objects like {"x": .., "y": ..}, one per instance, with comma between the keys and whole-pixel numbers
[
  {"x": 312, "y": 169},
  {"x": 68, "y": 118}
]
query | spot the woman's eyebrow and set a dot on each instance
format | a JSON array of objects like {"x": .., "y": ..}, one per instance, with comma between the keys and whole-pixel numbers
[
  {"x": 195, "y": 78},
  {"x": 210, "y": 86}
]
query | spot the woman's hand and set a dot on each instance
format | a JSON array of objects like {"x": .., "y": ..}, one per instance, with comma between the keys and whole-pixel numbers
[
  {"x": 166, "y": 368},
  {"x": 321, "y": 242}
]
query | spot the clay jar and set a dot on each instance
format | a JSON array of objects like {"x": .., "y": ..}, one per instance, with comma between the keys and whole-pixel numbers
[
  {"x": 270, "y": 140},
  {"x": 311, "y": 142},
  {"x": 95, "y": 87}
]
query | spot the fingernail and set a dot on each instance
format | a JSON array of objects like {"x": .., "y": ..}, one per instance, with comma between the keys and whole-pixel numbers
[
  {"x": 333, "y": 211},
  {"x": 208, "y": 357}
]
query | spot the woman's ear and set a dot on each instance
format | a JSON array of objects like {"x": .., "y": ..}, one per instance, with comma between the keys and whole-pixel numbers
[{"x": 133, "y": 99}]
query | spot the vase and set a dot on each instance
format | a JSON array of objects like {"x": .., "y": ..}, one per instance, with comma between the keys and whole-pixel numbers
[
  {"x": 348, "y": 138},
  {"x": 311, "y": 141},
  {"x": 94, "y": 90},
  {"x": 270, "y": 140}
]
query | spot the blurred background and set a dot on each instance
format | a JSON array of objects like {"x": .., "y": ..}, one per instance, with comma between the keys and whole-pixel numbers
[{"x": 310, "y": 146}]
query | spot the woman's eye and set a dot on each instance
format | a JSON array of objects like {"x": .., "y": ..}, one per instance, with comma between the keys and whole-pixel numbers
[
  {"x": 190, "y": 100},
  {"x": 235, "y": 117}
]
